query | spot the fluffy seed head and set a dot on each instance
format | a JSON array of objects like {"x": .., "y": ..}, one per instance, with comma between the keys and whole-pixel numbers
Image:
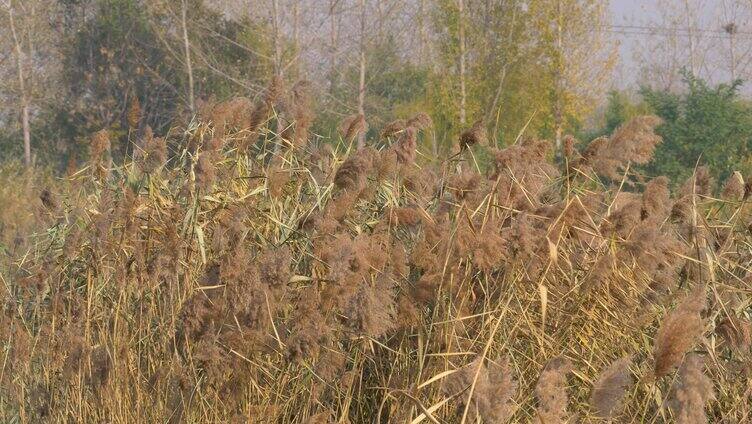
[
  {"x": 691, "y": 391},
  {"x": 610, "y": 388},
  {"x": 551, "y": 391},
  {"x": 733, "y": 189},
  {"x": 475, "y": 135},
  {"x": 393, "y": 128},
  {"x": 678, "y": 332},
  {"x": 352, "y": 126},
  {"x": 421, "y": 121}
]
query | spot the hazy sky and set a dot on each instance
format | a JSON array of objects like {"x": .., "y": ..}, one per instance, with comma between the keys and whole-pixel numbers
[
  {"x": 623, "y": 8},
  {"x": 627, "y": 12},
  {"x": 708, "y": 18}
]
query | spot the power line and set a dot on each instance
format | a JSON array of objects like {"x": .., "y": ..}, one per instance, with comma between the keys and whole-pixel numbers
[
  {"x": 636, "y": 30},
  {"x": 674, "y": 29}
]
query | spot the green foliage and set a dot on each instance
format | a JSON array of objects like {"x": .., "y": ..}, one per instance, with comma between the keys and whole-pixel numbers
[
  {"x": 115, "y": 51},
  {"x": 709, "y": 125},
  {"x": 393, "y": 80},
  {"x": 113, "y": 56},
  {"x": 234, "y": 59},
  {"x": 620, "y": 108},
  {"x": 513, "y": 65},
  {"x": 499, "y": 60}
]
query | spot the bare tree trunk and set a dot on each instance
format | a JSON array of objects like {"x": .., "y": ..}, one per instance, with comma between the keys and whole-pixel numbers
[
  {"x": 22, "y": 89},
  {"x": 332, "y": 47},
  {"x": 422, "y": 31},
  {"x": 559, "y": 101},
  {"x": 277, "y": 42},
  {"x": 362, "y": 82},
  {"x": 690, "y": 32},
  {"x": 463, "y": 94},
  {"x": 188, "y": 63},
  {"x": 502, "y": 79},
  {"x": 733, "y": 57},
  {"x": 497, "y": 98},
  {"x": 424, "y": 53}
]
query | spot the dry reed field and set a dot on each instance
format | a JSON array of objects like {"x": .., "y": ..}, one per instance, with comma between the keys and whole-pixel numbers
[{"x": 240, "y": 270}]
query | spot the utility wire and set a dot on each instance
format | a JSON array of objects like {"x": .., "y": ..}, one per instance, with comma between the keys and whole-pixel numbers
[
  {"x": 673, "y": 28},
  {"x": 636, "y": 30}
]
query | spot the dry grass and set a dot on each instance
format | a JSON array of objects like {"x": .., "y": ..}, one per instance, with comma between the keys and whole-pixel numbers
[{"x": 242, "y": 282}]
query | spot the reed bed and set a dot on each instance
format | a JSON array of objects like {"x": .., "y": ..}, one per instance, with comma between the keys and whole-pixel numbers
[{"x": 242, "y": 270}]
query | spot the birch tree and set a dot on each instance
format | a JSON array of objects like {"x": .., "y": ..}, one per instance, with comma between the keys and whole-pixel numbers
[
  {"x": 187, "y": 50},
  {"x": 362, "y": 71},
  {"x": 579, "y": 57},
  {"x": 22, "y": 75},
  {"x": 462, "y": 58},
  {"x": 30, "y": 66}
]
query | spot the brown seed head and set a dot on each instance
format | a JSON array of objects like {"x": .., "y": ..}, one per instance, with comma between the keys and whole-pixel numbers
[
  {"x": 421, "y": 121},
  {"x": 134, "y": 113},
  {"x": 393, "y": 128},
  {"x": 733, "y": 189},
  {"x": 551, "y": 391},
  {"x": 691, "y": 391},
  {"x": 352, "y": 126},
  {"x": 610, "y": 388},
  {"x": 475, "y": 135},
  {"x": 678, "y": 332}
]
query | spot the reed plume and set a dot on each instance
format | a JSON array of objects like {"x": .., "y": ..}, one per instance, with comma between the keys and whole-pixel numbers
[
  {"x": 679, "y": 332},
  {"x": 551, "y": 391},
  {"x": 352, "y": 126},
  {"x": 610, "y": 388},
  {"x": 475, "y": 135},
  {"x": 691, "y": 392}
]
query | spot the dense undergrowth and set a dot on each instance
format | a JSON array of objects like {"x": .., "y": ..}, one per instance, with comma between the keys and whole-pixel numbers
[{"x": 235, "y": 272}]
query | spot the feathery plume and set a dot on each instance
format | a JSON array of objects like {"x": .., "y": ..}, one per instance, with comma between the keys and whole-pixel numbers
[
  {"x": 736, "y": 332},
  {"x": 678, "y": 332},
  {"x": 406, "y": 146},
  {"x": 352, "y": 126},
  {"x": 154, "y": 153},
  {"x": 475, "y": 135},
  {"x": 421, "y": 121},
  {"x": 393, "y": 128},
  {"x": 204, "y": 171},
  {"x": 610, "y": 388},
  {"x": 634, "y": 142},
  {"x": 691, "y": 391},
  {"x": 296, "y": 113},
  {"x": 234, "y": 113},
  {"x": 733, "y": 189},
  {"x": 100, "y": 144},
  {"x": 656, "y": 203},
  {"x": 493, "y": 392},
  {"x": 134, "y": 113},
  {"x": 570, "y": 151},
  {"x": 353, "y": 172},
  {"x": 49, "y": 200},
  {"x": 551, "y": 391}
]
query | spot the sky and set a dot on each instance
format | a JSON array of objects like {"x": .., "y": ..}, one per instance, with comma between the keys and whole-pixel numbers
[
  {"x": 627, "y": 8},
  {"x": 628, "y": 12},
  {"x": 709, "y": 16}
]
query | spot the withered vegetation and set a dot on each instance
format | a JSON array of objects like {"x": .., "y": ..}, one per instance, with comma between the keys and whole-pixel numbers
[{"x": 241, "y": 270}]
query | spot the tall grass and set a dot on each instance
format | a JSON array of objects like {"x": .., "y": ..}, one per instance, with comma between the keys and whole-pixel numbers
[{"x": 236, "y": 272}]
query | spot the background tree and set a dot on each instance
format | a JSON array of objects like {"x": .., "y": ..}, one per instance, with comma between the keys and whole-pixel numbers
[
  {"x": 709, "y": 124},
  {"x": 29, "y": 71},
  {"x": 572, "y": 42}
]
